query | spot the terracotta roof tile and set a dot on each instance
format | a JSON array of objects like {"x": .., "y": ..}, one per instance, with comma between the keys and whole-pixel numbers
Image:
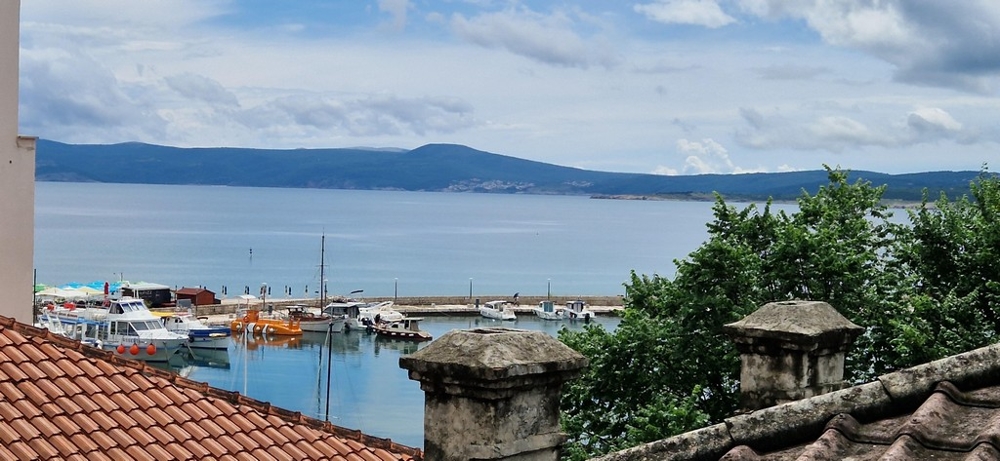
[
  {"x": 195, "y": 449},
  {"x": 160, "y": 453},
  {"x": 66, "y": 406},
  {"x": 66, "y": 424},
  {"x": 21, "y": 450},
  {"x": 159, "y": 434},
  {"x": 61, "y": 399},
  {"x": 9, "y": 372},
  {"x": 160, "y": 416},
  {"x": 195, "y": 430},
  {"x": 86, "y": 423},
  {"x": 44, "y": 449},
  {"x": 45, "y": 426},
  {"x": 944, "y": 410},
  {"x": 177, "y": 450},
  {"x": 27, "y": 410},
  {"x": 177, "y": 432},
  {"x": 214, "y": 448}
]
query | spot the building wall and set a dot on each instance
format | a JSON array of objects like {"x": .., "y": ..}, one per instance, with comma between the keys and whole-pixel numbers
[{"x": 17, "y": 180}]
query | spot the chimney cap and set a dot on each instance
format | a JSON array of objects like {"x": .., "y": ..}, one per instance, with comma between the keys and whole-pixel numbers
[
  {"x": 806, "y": 324},
  {"x": 493, "y": 354}
]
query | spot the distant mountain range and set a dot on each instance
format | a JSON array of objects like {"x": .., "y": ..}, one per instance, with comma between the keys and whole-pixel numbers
[{"x": 436, "y": 167}]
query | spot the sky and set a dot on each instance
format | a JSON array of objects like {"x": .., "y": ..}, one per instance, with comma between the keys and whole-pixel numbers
[{"x": 644, "y": 86}]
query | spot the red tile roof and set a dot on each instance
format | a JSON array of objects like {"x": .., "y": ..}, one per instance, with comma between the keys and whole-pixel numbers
[
  {"x": 948, "y": 409},
  {"x": 60, "y": 399}
]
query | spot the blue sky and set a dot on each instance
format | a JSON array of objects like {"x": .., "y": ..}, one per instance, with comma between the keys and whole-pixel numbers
[{"x": 648, "y": 86}]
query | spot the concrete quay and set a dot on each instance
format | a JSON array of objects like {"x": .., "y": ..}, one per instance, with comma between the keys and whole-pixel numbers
[{"x": 427, "y": 306}]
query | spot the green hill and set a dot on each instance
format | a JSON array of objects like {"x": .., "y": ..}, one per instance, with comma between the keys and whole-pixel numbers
[{"x": 434, "y": 167}]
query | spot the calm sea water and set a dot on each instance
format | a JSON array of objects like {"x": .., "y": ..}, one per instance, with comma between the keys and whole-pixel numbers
[
  {"x": 385, "y": 243},
  {"x": 368, "y": 391}
]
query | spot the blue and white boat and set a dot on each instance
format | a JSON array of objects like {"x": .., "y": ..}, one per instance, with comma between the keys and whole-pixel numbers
[{"x": 200, "y": 335}]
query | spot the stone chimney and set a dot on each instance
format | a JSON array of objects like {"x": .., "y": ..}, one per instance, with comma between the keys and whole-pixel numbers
[
  {"x": 791, "y": 350},
  {"x": 493, "y": 394}
]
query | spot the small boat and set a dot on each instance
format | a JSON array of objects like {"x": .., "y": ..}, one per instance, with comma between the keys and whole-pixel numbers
[
  {"x": 546, "y": 310},
  {"x": 577, "y": 310},
  {"x": 250, "y": 321},
  {"x": 497, "y": 310},
  {"x": 408, "y": 328},
  {"x": 349, "y": 309},
  {"x": 316, "y": 323},
  {"x": 378, "y": 312},
  {"x": 200, "y": 335}
]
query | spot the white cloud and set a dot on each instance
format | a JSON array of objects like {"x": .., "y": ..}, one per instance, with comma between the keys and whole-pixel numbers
[
  {"x": 935, "y": 43},
  {"x": 704, "y": 157},
  {"x": 705, "y": 13},
  {"x": 397, "y": 10},
  {"x": 547, "y": 38},
  {"x": 840, "y": 133},
  {"x": 201, "y": 88}
]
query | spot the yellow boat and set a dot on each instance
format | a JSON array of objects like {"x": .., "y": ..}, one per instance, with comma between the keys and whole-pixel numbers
[{"x": 251, "y": 322}]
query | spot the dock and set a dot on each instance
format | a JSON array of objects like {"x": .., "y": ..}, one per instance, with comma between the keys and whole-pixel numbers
[{"x": 425, "y": 306}]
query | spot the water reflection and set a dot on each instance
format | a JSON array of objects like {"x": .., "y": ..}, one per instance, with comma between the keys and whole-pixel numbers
[{"x": 352, "y": 379}]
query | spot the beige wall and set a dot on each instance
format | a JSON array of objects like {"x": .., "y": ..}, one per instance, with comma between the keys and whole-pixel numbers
[{"x": 17, "y": 180}]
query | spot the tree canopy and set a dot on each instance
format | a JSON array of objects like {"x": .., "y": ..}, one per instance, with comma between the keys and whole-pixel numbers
[{"x": 923, "y": 290}]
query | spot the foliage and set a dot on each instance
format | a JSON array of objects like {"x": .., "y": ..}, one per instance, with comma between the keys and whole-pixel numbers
[{"x": 923, "y": 291}]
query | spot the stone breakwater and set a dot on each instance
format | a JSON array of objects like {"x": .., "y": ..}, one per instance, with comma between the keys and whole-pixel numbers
[{"x": 423, "y": 305}]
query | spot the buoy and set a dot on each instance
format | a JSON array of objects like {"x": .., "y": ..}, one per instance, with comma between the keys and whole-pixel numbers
[
  {"x": 151, "y": 349},
  {"x": 121, "y": 349},
  {"x": 134, "y": 350}
]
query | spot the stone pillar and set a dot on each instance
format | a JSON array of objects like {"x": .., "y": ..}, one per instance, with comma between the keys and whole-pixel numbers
[
  {"x": 791, "y": 350},
  {"x": 493, "y": 394}
]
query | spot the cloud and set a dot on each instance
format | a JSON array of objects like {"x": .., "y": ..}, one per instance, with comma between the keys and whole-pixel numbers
[
  {"x": 397, "y": 10},
  {"x": 72, "y": 97},
  {"x": 790, "y": 72},
  {"x": 201, "y": 88},
  {"x": 550, "y": 39},
  {"x": 375, "y": 116},
  {"x": 932, "y": 43},
  {"x": 705, "y": 157},
  {"x": 839, "y": 133},
  {"x": 705, "y": 13}
]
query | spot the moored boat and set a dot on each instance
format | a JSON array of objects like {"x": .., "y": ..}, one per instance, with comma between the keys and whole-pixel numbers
[
  {"x": 379, "y": 312},
  {"x": 200, "y": 335},
  {"x": 407, "y": 328},
  {"x": 546, "y": 310},
  {"x": 349, "y": 309},
  {"x": 497, "y": 310},
  {"x": 316, "y": 323},
  {"x": 577, "y": 310},
  {"x": 250, "y": 321},
  {"x": 126, "y": 328}
]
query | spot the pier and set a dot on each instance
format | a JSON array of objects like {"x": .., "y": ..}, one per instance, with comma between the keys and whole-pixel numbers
[{"x": 427, "y": 306}]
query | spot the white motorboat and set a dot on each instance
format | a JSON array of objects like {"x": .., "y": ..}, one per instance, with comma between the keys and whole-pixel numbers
[
  {"x": 497, "y": 310},
  {"x": 546, "y": 310},
  {"x": 200, "y": 335},
  {"x": 379, "y": 312},
  {"x": 126, "y": 328},
  {"x": 577, "y": 310},
  {"x": 349, "y": 309}
]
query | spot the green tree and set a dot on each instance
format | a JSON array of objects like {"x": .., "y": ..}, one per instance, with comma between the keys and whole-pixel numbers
[{"x": 669, "y": 363}]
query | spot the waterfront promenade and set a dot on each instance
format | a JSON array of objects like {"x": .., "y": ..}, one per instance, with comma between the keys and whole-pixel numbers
[{"x": 427, "y": 306}]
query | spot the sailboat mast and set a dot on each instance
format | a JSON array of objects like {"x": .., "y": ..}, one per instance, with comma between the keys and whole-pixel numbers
[{"x": 322, "y": 272}]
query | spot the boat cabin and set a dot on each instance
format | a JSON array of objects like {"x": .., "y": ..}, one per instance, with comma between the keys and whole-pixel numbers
[
  {"x": 154, "y": 294},
  {"x": 547, "y": 306}
]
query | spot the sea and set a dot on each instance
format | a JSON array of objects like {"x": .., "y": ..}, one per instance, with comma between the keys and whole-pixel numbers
[{"x": 289, "y": 242}]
